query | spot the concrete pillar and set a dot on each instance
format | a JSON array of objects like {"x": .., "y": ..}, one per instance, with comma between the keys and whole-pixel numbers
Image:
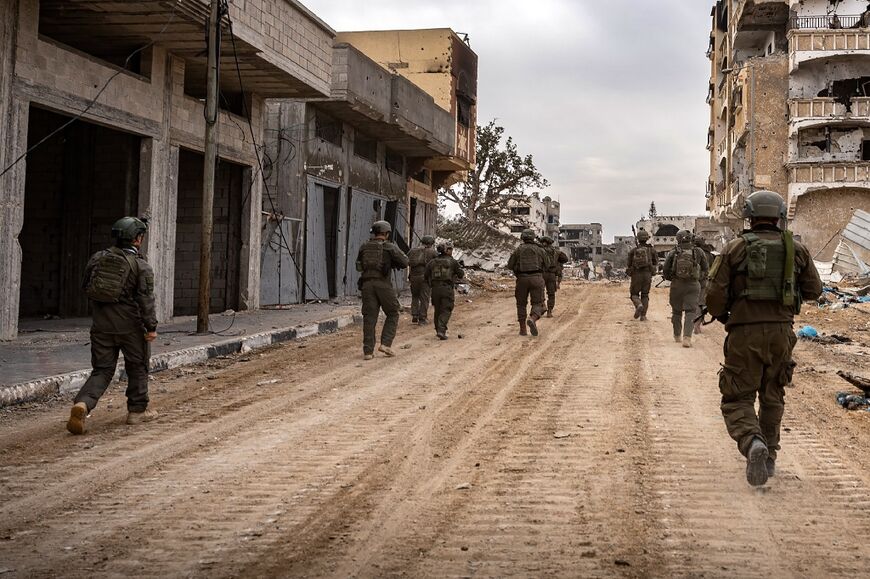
[
  {"x": 13, "y": 142},
  {"x": 158, "y": 192},
  {"x": 252, "y": 228}
]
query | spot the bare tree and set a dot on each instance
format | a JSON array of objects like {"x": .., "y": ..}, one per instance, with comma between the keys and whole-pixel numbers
[
  {"x": 653, "y": 212},
  {"x": 502, "y": 174}
]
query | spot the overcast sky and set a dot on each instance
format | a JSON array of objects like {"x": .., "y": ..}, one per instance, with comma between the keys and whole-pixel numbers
[{"x": 607, "y": 96}]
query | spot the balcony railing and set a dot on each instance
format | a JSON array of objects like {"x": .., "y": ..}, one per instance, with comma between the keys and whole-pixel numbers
[
  {"x": 821, "y": 108},
  {"x": 832, "y": 173},
  {"x": 829, "y": 40},
  {"x": 826, "y": 22}
]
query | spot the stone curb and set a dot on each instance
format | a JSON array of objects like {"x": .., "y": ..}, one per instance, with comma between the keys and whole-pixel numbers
[{"x": 42, "y": 388}]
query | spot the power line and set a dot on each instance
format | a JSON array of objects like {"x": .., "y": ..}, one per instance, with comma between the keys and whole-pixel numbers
[{"x": 96, "y": 98}]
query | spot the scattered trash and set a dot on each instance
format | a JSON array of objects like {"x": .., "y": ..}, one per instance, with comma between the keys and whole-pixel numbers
[
  {"x": 808, "y": 333},
  {"x": 622, "y": 563},
  {"x": 406, "y": 347},
  {"x": 464, "y": 487},
  {"x": 853, "y": 401},
  {"x": 562, "y": 435},
  {"x": 268, "y": 382}
]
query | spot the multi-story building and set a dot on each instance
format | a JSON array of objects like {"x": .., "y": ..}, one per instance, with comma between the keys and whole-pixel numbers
[
  {"x": 789, "y": 110},
  {"x": 583, "y": 241},
  {"x": 664, "y": 228},
  {"x": 108, "y": 97},
  {"x": 527, "y": 212},
  {"x": 554, "y": 216}
]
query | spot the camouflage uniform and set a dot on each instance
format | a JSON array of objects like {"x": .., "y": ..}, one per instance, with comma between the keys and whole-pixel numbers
[
  {"x": 553, "y": 274},
  {"x": 528, "y": 262},
  {"x": 378, "y": 292},
  {"x": 685, "y": 293},
  {"x": 643, "y": 262},
  {"x": 121, "y": 328},
  {"x": 421, "y": 292},
  {"x": 442, "y": 273},
  {"x": 758, "y": 349}
]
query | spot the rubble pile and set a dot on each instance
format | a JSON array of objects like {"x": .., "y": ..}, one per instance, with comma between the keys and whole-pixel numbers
[
  {"x": 852, "y": 401},
  {"x": 478, "y": 245}
]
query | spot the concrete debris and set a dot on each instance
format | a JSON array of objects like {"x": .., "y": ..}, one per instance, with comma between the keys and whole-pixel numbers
[
  {"x": 464, "y": 487},
  {"x": 857, "y": 381}
]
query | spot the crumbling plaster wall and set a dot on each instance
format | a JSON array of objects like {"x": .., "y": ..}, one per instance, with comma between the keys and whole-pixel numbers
[
  {"x": 767, "y": 143},
  {"x": 813, "y": 78},
  {"x": 821, "y": 215},
  {"x": 830, "y": 145},
  {"x": 823, "y": 7}
]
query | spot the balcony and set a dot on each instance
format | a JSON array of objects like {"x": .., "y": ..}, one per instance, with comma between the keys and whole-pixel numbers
[
  {"x": 826, "y": 109},
  {"x": 832, "y": 175},
  {"x": 832, "y": 22},
  {"x": 809, "y": 45}
]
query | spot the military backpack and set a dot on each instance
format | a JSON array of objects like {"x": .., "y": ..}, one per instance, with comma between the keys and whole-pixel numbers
[
  {"x": 417, "y": 257},
  {"x": 770, "y": 269},
  {"x": 529, "y": 259},
  {"x": 110, "y": 275},
  {"x": 686, "y": 267},
  {"x": 372, "y": 259},
  {"x": 442, "y": 270},
  {"x": 642, "y": 259}
]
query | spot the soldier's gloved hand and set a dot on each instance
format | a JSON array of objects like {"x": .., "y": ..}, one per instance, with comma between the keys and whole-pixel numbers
[{"x": 150, "y": 336}]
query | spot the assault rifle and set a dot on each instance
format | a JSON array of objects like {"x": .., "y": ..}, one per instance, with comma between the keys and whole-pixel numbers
[
  {"x": 634, "y": 232},
  {"x": 702, "y": 318}
]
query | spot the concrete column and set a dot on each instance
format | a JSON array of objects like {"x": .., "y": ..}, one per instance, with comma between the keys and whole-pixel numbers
[
  {"x": 13, "y": 142},
  {"x": 252, "y": 228},
  {"x": 158, "y": 193}
]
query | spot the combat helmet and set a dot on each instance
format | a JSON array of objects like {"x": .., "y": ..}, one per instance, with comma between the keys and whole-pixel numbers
[
  {"x": 528, "y": 235},
  {"x": 764, "y": 205},
  {"x": 381, "y": 227},
  {"x": 685, "y": 236},
  {"x": 127, "y": 229},
  {"x": 427, "y": 240},
  {"x": 547, "y": 240},
  {"x": 643, "y": 235},
  {"x": 443, "y": 248}
]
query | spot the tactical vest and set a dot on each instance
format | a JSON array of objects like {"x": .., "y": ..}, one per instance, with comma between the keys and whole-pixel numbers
[
  {"x": 417, "y": 257},
  {"x": 770, "y": 269},
  {"x": 442, "y": 270},
  {"x": 373, "y": 260},
  {"x": 110, "y": 275},
  {"x": 642, "y": 259},
  {"x": 529, "y": 259},
  {"x": 553, "y": 254},
  {"x": 686, "y": 266}
]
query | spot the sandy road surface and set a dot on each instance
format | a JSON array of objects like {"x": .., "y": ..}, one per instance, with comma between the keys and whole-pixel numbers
[{"x": 594, "y": 450}]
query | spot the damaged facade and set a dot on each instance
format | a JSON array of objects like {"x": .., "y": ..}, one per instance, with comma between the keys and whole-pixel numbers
[
  {"x": 532, "y": 212},
  {"x": 379, "y": 147},
  {"x": 582, "y": 241},
  {"x": 790, "y": 111},
  {"x": 137, "y": 149},
  {"x": 663, "y": 230}
]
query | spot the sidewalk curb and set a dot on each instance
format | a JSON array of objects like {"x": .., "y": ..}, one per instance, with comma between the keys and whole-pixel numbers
[{"x": 42, "y": 388}]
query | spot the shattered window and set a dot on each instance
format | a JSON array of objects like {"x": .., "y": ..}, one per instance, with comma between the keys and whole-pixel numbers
[
  {"x": 327, "y": 129},
  {"x": 365, "y": 147}
]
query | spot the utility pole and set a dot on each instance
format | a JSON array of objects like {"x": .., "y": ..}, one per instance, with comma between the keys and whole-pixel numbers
[{"x": 211, "y": 117}]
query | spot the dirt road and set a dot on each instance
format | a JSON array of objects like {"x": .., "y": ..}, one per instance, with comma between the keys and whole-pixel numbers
[{"x": 594, "y": 450}]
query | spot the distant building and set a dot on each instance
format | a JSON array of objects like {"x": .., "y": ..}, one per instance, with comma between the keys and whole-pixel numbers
[
  {"x": 530, "y": 212},
  {"x": 664, "y": 228},
  {"x": 582, "y": 241},
  {"x": 554, "y": 215}
]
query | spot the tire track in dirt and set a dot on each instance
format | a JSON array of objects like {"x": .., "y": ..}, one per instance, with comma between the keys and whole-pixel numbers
[{"x": 707, "y": 517}]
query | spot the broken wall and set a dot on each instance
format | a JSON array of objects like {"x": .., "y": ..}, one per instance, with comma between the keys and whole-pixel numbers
[
  {"x": 832, "y": 144},
  {"x": 821, "y": 215}
]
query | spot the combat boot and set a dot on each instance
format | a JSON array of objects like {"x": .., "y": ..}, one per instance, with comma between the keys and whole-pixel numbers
[
  {"x": 134, "y": 418},
  {"x": 441, "y": 336},
  {"x": 549, "y": 313},
  {"x": 699, "y": 327},
  {"x": 533, "y": 325},
  {"x": 368, "y": 357},
  {"x": 387, "y": 351},
  {"x": 678, "y": 338},
  {"x": 523, "y": 330},
  {"x": 756, "y": 463},
  {"x": 687, "y": 342},
  {"x": 638, "y": 308},
  {"x": 771, "y": 466},
  {"x": 77, "y": 416}
]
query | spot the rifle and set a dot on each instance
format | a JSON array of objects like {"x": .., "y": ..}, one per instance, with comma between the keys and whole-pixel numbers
[
  {"x": 703, "y": 316},
  {"x": 634, "y": 232}
]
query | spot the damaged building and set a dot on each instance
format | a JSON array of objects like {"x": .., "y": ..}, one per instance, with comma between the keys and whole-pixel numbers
[
  {"x": 789, "y": 103},
  {"x": 532, "y": 212},
  {"x": 379, "y": 147},
  {"x": 108, "y": 97},
  {"x": 102, "y": 115},
  {"x": 582, "y": 241}
]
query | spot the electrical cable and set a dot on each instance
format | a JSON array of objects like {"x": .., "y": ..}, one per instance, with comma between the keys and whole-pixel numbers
[
  {"x": 96, "y": 98},
  {"x": 275, "y": 211}
]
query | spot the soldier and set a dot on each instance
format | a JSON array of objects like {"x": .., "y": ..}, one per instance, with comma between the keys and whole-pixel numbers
[
  {"x": 120, "y": 286},
  {"x": 528, "y": 262},
  {"x": 553, "y": 274},
  {"x": 685, "y": 266},
  {"x": 642, "y": 263},
  {"x": 702, "y": 244},
  {"x": 377, "y": 258},
  {"x": 442, "y": 273},
  {"x": 586, "y": 270},
  {"x": 755, "y": 288},
  {"x": 420, "y": 290}
]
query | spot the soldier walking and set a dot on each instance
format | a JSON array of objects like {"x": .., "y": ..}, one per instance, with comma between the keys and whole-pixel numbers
[
  {"x": 685, "y": 267},
  {"x": 702, "y": 244},
  {"x": 442, "y": 273},
  {"x": 553, "y": 274},
  {"x": 528, "y": 262},
  {"x": 377, "y": 258},
  {"x": 120, "y": 286},
  {"x": 421, "y": 292},
  {"x": 643, "y": 261},
  {"x": 756, "y": 287}
]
